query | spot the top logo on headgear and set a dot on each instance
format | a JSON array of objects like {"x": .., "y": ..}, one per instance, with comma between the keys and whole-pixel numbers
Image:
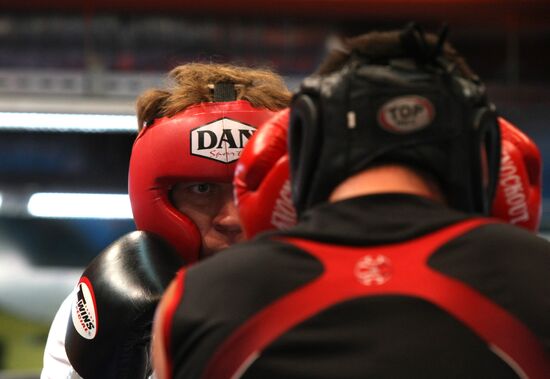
[
  {"x": 221, "y": 140},
  {"x": 406, "y": 114}
]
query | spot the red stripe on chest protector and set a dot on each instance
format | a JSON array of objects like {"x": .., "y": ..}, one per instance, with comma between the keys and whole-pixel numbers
[
  {"x": 170, "y": 309},
  {"x": 407, "y": 274}
]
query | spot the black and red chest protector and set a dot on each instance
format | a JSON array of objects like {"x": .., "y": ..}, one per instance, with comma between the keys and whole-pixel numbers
[{"x": 396, "y": 269}]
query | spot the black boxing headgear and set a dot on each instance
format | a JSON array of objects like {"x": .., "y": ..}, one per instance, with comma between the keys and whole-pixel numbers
[{"x": 413, "y": 108}]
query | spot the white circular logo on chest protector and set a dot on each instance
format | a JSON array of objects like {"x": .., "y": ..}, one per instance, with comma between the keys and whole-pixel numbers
[
  {"x": 406, "y": 114},
  {"x": 83, "y": 312},
  {"x": 373, "y": 270}
]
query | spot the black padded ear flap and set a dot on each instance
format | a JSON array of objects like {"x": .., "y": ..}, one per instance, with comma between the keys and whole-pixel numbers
[{"x": 304, "y": 147}]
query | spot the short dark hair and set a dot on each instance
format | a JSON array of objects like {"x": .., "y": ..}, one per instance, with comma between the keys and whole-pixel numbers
[{"x": 385, "y": 45}]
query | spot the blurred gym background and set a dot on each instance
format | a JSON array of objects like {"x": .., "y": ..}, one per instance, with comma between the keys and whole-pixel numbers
[{"x": 69, "y": 74}]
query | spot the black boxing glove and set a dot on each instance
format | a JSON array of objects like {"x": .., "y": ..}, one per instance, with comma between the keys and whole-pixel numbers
[{"x": 109, "y": 332}]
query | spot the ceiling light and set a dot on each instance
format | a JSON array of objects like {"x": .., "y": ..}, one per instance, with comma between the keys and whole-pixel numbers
[
  {"x": 80, "y": 205},
  {"x": 67, "y": 122}
]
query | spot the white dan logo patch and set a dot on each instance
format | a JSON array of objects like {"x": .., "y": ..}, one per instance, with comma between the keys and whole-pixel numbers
[
  {"x": 221, "y": 140},
  {"x": 406, "y": 114},
  {"x": 83, "y": 312}
]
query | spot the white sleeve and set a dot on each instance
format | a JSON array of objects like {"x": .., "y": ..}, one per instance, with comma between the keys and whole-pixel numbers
[{"x": 56, "y": 363}]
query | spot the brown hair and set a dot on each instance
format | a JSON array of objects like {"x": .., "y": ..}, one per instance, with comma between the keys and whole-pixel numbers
[
  {"x": 192, "y": 84},
  {"x": 387, "y": 44}
]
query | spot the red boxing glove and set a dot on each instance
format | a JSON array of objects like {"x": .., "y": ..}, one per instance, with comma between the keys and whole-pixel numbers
[
  {"x": 263, "y": 190},
  {"x": 518, "y": 196},
  {"x": 262, "y": 185}
]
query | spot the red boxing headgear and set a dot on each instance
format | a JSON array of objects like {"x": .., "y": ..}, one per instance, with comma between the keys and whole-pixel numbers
[{"x": 201, "y": 143}]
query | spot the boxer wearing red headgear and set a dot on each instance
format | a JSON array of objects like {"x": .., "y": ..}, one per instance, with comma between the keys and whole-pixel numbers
[
  {"x": 187, "y": 154},
  {"x": 262, "y": 184},
  {"x": 180, "y": 188}
]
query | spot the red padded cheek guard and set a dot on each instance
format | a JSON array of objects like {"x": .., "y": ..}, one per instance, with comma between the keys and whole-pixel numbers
[{"x": 164, "y": 154}]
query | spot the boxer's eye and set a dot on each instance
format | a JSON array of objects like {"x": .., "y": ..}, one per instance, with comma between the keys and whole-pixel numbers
[{"x": 200, "y": 188}]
